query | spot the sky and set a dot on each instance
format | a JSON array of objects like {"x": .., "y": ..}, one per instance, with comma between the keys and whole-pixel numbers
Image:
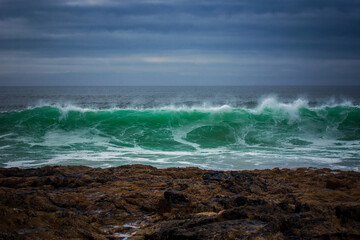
[{"x": 179, "y": 42}]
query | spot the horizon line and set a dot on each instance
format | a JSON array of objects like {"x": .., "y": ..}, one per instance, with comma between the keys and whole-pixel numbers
[{"x": 245, "y": 85}]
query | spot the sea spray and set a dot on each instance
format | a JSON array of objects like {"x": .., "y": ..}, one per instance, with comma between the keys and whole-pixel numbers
[{"x": 223, "y": 136}]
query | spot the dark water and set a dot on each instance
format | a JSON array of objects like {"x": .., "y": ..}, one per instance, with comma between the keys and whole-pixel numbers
[{"x": 208, "y": 127}]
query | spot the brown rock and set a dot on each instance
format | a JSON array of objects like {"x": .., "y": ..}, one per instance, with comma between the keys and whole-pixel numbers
[{"x": 143, "y": 202}]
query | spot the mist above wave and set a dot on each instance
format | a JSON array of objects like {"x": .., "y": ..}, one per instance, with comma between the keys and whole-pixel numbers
[{"x": 260, "y": 105}]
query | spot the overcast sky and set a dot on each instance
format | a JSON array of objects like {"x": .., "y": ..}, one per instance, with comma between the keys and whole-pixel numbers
[{"x": 179, "y": 42}]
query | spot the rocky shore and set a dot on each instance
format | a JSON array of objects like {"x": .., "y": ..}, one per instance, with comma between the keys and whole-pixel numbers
[{"x": 143, "y": 202}]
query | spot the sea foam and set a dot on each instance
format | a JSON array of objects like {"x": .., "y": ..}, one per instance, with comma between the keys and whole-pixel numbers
[{"x": 272, "y": 133}]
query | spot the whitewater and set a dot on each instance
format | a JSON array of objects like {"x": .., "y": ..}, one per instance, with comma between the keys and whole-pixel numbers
[{"x": 263, "y": 132}]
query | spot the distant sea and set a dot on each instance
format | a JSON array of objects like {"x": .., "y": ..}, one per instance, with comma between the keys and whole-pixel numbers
[{"x": 228, "y": 128}]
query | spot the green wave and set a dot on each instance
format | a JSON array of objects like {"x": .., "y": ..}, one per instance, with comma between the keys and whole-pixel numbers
[{"x": 170, "y": 129}]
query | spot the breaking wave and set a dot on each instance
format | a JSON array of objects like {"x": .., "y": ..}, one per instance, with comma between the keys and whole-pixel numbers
[{"x": 186, "y": 130}]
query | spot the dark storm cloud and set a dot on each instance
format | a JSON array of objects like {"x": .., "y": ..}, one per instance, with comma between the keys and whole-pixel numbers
[{"x": 231, "y": 42}]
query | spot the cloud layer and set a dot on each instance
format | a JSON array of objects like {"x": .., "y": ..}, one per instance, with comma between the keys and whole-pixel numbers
[{"x": 179, "y": 42}]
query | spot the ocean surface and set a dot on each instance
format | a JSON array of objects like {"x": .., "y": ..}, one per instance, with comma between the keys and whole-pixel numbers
[{"x": 227, "y": 128}]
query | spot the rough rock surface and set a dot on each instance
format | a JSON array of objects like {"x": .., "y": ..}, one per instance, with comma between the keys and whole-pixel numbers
[{"x": 143, "y": 202}]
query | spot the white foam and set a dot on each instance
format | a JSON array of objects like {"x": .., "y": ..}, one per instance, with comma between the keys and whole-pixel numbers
[
  {"x": 6, "y": 135},
  {"x": 272, "y": 103},
  {"x": 201, "y": 108},
  {"x": 19, "y": 164},
  {"x": 56, "y": 138},
  {"x": 220, "y": 158},
  {"x": 205, "y": 107}
]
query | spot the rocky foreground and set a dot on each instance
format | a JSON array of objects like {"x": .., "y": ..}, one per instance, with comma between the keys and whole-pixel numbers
[{"x": 143, "y": 202}]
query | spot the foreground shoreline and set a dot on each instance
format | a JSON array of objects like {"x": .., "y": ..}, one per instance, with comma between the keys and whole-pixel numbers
[{"x": 144, "y": 202}]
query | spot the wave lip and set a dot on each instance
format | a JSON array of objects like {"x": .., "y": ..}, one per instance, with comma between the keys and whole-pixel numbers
[
  {"x": 265, "y": 103},
  {"x": 197, "y": 133}
]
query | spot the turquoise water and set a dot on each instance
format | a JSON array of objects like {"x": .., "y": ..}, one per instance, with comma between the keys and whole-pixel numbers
[{"x": 269, "y": 132}]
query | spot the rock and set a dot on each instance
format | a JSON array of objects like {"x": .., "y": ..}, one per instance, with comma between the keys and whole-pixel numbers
[
  {"x": 333, "y": 184},
  {"x": 234, "y": 213},
  {"x": 174, "y": 196},
  {"x": 143, "y": 202},
  {"x": 348, "y": 212},
  {"x": 214, "y": 176},
  {"x": 237, "y": 201}
]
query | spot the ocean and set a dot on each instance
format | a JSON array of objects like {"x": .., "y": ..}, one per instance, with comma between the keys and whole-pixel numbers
[{"x": 225, "y": 128}]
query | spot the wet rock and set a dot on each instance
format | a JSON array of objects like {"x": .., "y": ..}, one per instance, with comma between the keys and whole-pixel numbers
[
  {"x": 174, "y": 196},
  {"x": 238, "y": 182},
  {"x": 334, "y": 184},
  {"x": 348, "y": 212},
  {"x": 242, "y": 177},
  {"x": 237, "y": 201},
  {"x": 214, "y": 176},
  {"x": 64, "y": 202},
  {"x": 234, "y": 213}
]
